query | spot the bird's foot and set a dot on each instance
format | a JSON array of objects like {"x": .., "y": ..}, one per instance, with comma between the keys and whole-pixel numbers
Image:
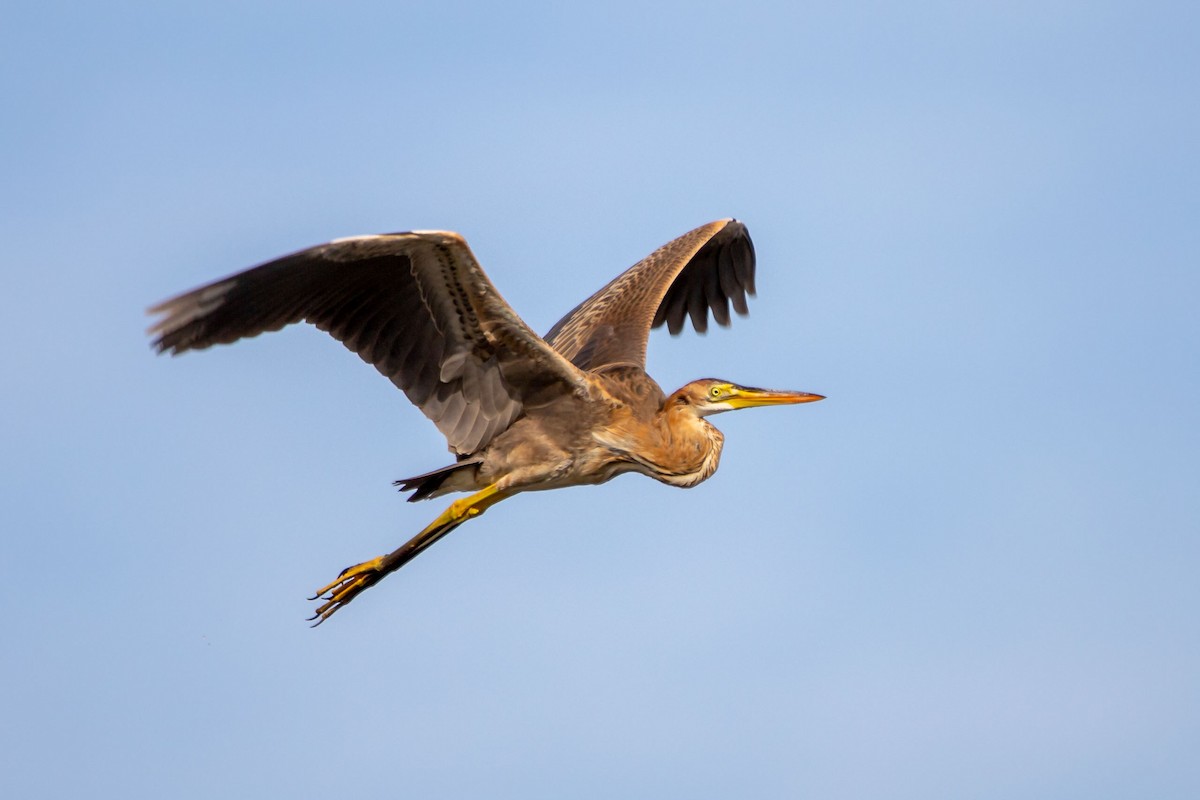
[{"x": 349, "y": 584}]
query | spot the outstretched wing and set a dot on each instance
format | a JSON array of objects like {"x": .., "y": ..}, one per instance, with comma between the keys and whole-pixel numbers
[
  {"x": 415, "y": 305},
  {"x": 705, "y": 269}
]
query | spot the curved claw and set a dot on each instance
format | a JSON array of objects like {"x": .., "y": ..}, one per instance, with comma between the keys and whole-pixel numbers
[{"x": 351, "y": 582}]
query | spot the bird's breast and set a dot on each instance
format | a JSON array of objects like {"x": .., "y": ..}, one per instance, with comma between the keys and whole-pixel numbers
[{"x": 680, "y": 454}]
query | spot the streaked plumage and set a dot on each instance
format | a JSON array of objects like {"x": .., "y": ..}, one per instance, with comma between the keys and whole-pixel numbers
[{"x": 520, "y": 411}]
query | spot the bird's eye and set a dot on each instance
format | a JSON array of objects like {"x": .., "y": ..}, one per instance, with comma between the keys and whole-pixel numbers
[{"x": 714, "y": 392}]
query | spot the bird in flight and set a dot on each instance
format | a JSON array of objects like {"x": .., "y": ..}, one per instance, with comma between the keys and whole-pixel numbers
[{"x": 520, "y": 412}]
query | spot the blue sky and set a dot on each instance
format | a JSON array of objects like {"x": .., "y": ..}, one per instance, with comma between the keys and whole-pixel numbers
[{"x": 971, "y": 572}]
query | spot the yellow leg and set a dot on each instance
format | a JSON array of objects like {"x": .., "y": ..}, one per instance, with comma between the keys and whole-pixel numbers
[{"x": 354, "y": 580}]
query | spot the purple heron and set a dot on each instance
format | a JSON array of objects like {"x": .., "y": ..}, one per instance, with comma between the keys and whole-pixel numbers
[{"x": 521, "y": 412}]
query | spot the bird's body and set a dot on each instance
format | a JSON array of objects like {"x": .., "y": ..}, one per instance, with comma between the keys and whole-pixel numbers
[
  {"x": 521, "y": 412},
  {"x": 621, "y": 423}
]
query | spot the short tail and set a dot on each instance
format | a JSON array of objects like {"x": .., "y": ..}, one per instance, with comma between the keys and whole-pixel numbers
[{"x": 458, "y": 477}]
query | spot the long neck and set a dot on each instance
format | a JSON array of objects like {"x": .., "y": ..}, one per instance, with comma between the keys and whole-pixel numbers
[{"x": 691, "y": 447}]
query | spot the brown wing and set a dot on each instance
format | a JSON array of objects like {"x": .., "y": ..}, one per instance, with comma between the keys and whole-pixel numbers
[
  {"x": 416, "y": 305},
  {"x": 705, "y": 269}
]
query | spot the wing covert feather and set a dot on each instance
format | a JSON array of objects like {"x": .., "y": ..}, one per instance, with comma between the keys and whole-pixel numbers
[{"x": 704, "y": 270}]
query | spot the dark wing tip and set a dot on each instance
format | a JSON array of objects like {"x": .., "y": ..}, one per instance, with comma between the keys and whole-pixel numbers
[
  {"x": 720, "y": 274},
  {"x": 183, "y": 322}
]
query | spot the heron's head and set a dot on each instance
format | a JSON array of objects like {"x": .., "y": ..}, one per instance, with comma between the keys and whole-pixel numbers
[{"x": 711, "y": 396}]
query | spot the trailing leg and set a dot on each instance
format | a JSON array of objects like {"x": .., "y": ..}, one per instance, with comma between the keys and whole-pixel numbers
[{"x": 354, "y": 580}]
